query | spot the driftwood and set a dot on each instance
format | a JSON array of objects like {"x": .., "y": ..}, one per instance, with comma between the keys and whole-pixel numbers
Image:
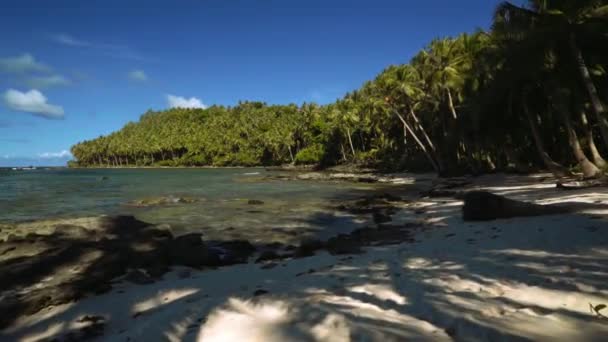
[
  {"x": 485, "y": 206},
  {"x": 577, "y": 185}
]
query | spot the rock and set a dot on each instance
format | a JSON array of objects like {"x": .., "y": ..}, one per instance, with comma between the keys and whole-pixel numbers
[
  {"x": 485, "y": 206},
  {"x": 343, "y": 244},
  {"x": 163, "y": 200},
  {"x": 260, "y": 292},
  {"x": 434, "y": 193},
  {"x": 138, "y": 277},
  {"x": 381, "y": 218},
  {"x": 267, "y": 255},
  {"x": 189, "y": 250},
  {"x": 390, "y": 197},
  {"x": 255, "y": 202},
  {"x": 308, "y": 248},
  {"x": 232, "y": 252}
]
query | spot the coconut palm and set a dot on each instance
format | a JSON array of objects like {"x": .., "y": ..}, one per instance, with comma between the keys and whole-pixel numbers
[{"x": 560, "y": 25}]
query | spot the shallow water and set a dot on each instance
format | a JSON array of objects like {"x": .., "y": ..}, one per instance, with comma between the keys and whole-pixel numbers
[{"x": 291, "y": 209}]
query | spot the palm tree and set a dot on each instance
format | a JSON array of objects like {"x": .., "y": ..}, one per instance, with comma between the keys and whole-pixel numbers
[{"x": 560, "y": 25}]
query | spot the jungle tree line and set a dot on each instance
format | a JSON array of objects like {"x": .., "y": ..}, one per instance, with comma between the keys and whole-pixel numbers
[{"x": 527, "y": 94}]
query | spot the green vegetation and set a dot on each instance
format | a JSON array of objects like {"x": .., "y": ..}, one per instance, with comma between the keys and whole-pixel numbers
[{"x": 528, "y": 94}]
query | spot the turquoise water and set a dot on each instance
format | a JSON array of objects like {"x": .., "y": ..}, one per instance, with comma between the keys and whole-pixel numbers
[{"x": 290, "y": 209}]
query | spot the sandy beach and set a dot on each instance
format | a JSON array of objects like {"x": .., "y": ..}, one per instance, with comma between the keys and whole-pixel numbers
[{"x": 518, "y": 279}]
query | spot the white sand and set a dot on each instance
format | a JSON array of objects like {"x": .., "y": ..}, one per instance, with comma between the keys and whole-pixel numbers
[{"x": 519, "y": 279}]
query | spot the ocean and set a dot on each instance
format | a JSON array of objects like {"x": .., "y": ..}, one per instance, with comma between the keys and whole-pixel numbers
[{"x": 221, "y": 203}]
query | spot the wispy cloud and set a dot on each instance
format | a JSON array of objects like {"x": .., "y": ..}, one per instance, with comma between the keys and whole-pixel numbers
[
  {"x": 111, "y": 50},
  {"x": 22, "y": 64},
  {"x": 42, "y": 82},
  {"x": 33, "y": 102},
  {"x": 137, "y": 76},
  {"x": 182, "y": 102},
  {"x": 18, "y": 141},
  {"x": 65, "y": 39},
  {"x": 52, "y": 155}
]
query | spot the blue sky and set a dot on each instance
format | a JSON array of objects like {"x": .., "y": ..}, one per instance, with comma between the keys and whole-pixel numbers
[{"x": 74, "y": 70}]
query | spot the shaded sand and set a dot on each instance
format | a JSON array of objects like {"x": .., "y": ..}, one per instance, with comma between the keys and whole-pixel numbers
[{"x": 516, "y": 280}]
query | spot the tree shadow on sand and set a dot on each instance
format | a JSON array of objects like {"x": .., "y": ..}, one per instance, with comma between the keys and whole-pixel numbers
[{"x": 516, "y": 279}]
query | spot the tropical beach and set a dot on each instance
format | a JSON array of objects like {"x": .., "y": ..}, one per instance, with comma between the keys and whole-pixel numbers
[
  {"x": 424, "y": 275},
  {"x": 304, "y": 171}
]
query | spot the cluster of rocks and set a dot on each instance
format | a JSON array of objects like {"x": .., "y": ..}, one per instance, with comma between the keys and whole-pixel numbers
[
  {"x": 62, "y": 261},
  {"x": 38, "y": 270},
  {"x": 380, "y": 206},
  {"x": 355, "y": 241},
  {"x": 162, "y": 200},
  {"x": 357, "y": 177}
]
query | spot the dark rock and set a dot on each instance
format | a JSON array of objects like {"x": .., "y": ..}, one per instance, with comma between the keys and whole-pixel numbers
[
  {"x": 138, "y": 277},
  {"x": 156, "y": 270},
  {"x": 391, "y": 197},
  {"x": 267, "y": 255},
  {"x": 232, "y": 252},
  {"x": 343, "y": 244},
  {"x": 259, "y": 292},
  {"x": 484, "y": 206},
  {"x": 381, "y": 218},
  {"x": 189, "y": 250},
  {"x": 255, "y": 202},
  {"x": 366, "y": 179},
  {"x": 308, "y": 248}
]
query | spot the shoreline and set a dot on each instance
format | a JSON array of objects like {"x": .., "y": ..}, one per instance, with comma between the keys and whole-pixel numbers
[{"x": 431, "y": 282}]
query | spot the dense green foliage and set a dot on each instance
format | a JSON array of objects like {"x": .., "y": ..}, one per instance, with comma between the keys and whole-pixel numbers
[{"x": 527, "y": 94}]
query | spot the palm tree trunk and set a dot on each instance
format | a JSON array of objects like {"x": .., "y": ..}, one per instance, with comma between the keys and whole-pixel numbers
[
  {"x": 436, "y": 154},
  {"x": 419, "y": 142},
  {"x": 555, "y": 168},
  {"x": 596, "y": 103},
  {"x": 350, "y": 141},
  {"x": 419, "y": 126},
  {"x": 343, "y": 152},
  {"x": 451, "y": 104},
  {"x": 589, "y": 169},
  {"x": 290, "y": 154},
  {"x": 595, "y": 154}
]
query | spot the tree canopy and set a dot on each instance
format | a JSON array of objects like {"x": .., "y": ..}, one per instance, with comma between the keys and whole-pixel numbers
[{"x": 527, "y": 94}]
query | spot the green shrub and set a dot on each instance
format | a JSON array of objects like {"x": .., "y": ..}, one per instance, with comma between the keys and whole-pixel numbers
[{"x": 310, "y": 155}]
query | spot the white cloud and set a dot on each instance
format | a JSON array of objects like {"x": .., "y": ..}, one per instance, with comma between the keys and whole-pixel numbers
[
  {"x": 182, "y": 102},
  {"x": 47, "y": 81},
  {"x": 137, "y": 76},
  {"x": 50, "y": 155},
  {"x": 115, "y": 51},
  {"x": 21, "y": 64},
  {"x": 33, "y": 102},
  {"x": 65, "y": 39}
]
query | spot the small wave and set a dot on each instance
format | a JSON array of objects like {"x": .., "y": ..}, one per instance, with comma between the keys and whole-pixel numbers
[{"x": 251, "y": 173}]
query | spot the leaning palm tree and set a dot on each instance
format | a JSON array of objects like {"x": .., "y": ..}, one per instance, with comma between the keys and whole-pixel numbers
[{"x": 560, "y": 25}]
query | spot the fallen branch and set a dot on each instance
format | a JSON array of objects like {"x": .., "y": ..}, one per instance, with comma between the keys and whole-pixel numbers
[{"x": 578, "y": 185}]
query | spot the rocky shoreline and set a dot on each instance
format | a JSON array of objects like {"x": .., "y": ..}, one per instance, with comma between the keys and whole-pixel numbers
[
  {"x": 108, "y": 267},
  {"x": 59, "y": 261}
]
